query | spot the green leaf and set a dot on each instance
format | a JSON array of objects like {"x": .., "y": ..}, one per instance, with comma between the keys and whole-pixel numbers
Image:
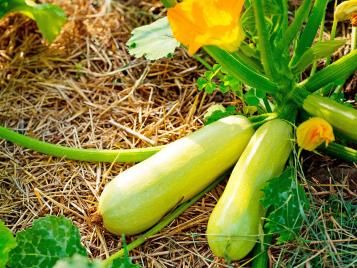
[
  {"x": 78, "y": 261},
  {"x": 49, "y": 18},
  {"x": 307, "y": 37},
  {"x": 252, "y": 97},
  {"x": 153, "y": 41},
  {"x": 216, "y": 112},
  {"x": 317, "y": 51},
  {"x": 7, "y": 243},
  {"x": 286, "y": 200},
  {"x": 48, "y": 240}
]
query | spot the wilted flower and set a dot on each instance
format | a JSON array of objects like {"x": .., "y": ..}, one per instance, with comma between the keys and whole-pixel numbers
[
  {"x": 346, "y": 10},
  {"x": 313, "y": 132},
  {"x": 196, "y": 23}
]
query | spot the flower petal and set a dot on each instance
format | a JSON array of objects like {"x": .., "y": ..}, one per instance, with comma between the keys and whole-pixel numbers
[
  {"x": 314, "y": 132},
  {"x": 196, "y": 23}
]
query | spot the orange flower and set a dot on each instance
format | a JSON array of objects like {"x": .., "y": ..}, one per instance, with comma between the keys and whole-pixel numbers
[
  {"x": 313, "y": 132},
  {"x": 196, "y": 23}
]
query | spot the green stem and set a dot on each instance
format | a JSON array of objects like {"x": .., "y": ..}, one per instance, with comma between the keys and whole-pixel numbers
[
  {"x": 235, "y": 67},
  {"x": 340, "y": 69},
  {"x": 163, "y": 223},
  {"x": 288, "y": 111},
  {"x": 261, "y": 259},
  {"x": 92, "y": 155},
  {"x": 308, "y": 35},
  {"x": 202, "y": 61},
  {"x": 292, "y": 31},
  {"x": 263, "y": 39},
  {"x": 341, "y": 152},
  {"x": 259, "y": 120},
  {"x": 354, "y": 38},
  {"x": 168, "y": 3},
  {"x": 97, "y": 155}
]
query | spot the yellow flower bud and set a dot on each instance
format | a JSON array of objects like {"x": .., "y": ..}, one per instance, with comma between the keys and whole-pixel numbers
[
  {"x": 313, "y": 132},
  {"x": 196, "y": 23},
  {"x": 346, "y": 10}
]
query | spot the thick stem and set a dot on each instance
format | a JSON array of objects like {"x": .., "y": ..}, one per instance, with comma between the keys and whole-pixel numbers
[
  {"x": 235, "y": 67},
  {"x": 340, "y": 69},
  {"x": 163, "y": 223},
  {"x": 92, "y": 155},
  {"x": 263, "y": 39}
]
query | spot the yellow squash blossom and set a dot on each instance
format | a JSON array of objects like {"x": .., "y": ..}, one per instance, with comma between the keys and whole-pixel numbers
[
  {"x": 313, "y": 132},
  {"x": 346, "y": 10},
  {"x": 196, "y": 23}
]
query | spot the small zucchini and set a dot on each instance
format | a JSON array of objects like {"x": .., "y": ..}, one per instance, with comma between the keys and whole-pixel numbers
[
  {"x": 341, "y": 117},
  {"x": 140, "y": 196},
  {"x": 233, "y": 226}
]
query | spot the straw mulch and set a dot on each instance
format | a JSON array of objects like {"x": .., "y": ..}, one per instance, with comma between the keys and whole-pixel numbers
[{"x": 69, "y": 93}]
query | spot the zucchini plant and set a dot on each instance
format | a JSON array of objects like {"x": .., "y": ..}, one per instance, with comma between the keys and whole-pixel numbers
[{"x": 263, "y": 58}]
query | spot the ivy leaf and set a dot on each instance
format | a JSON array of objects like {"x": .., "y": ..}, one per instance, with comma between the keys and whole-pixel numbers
[
  {"x": 48, "y": 240},
  {"x": 217, "y": 112},
  {"x": 153, "y": 41},
  {"x": 7, "y": 243},
  {"x": 49, "y": 18},
  {"x": 286, "y": 200}
]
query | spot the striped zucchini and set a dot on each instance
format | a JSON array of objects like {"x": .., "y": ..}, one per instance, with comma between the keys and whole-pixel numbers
[
  {"x": 140, "y": 196},
  {"x": 233, "y": 226}
]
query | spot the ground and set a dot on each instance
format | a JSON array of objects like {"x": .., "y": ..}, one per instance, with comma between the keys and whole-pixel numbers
[{"x": 71, "y": 91}]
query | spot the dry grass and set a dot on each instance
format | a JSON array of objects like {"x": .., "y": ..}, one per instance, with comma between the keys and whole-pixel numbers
[{"x": 68, "y": 93}]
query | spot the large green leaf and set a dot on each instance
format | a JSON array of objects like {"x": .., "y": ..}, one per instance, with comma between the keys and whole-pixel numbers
[
  {"x": 48, "y": 240},
  {"x": 7, "y": 243},
  {"x": 153, "y": 41},
  {"x": 286, "y": 200},
  {"x": 49, "y": 18},
  {"x": 78, "y": 261}
]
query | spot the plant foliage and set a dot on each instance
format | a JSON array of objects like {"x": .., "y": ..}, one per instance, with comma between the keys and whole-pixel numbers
[
  {"x": 286, "y": 200},
  {"x": 49, "y": 18},
  {"x": 153, "y": 41}
]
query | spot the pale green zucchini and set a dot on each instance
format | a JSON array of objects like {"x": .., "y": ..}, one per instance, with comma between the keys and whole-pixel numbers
[
  {"x": 140, "y": 196},
  {"x": 233, "y": 226}
]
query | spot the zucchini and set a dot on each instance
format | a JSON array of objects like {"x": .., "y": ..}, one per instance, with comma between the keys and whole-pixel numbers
[
  {"x": 233, "y": 226},
  {"x": 341, "y": 117},
  {"x": 140, "y": 196}
]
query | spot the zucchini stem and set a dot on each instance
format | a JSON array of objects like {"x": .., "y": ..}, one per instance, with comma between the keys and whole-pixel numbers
[
  {"x": 92, "y": 155},
  {"x": 97, "y": 155},
  {"x": 341, "y": 152}
]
